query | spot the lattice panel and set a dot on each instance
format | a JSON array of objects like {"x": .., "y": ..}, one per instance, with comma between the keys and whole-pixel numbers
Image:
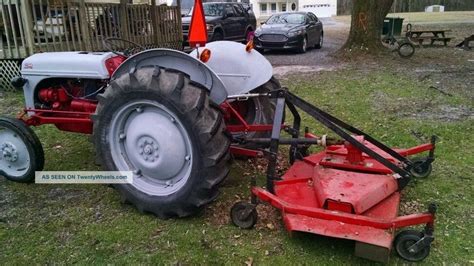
[{"x": 8, "y": 70}]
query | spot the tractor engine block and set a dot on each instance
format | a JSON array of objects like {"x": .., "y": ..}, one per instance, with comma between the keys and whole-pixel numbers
[
  {"x": 71, "y": 96},
  {"x": 58, "y": 99},
  {"x": 67, "y": 103}
]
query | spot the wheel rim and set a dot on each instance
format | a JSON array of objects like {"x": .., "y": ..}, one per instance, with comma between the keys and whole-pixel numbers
[
  {"x": 148, "y": 139},
  {"x": 303, "y": 48},
  {"x": 14, "y": 156},
  {"x": 321, "y": 40}
]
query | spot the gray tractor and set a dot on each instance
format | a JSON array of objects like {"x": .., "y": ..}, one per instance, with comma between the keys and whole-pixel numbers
[{"x": 161, "y": 114}]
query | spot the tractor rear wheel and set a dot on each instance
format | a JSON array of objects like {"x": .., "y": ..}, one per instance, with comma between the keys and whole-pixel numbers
[
  {"x": 257, "y": 111},
  {"x": 163, "y": 127}
]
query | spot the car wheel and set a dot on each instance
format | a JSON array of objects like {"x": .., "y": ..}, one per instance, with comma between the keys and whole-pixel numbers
[
  {"x": 319, "y": 45},
  {"x": 217, "y": 36},
  {"x": 304, "y": 46}
]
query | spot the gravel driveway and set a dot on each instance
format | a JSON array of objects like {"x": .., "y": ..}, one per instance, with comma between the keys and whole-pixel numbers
[{"x": 335, "y": 34}]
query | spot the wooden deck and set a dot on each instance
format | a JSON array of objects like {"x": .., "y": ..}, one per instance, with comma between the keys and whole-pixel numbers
[{"x": 32, "y": 26}]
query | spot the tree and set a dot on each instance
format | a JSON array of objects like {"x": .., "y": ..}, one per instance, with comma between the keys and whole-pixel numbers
[{"x": 366, "y": 24}]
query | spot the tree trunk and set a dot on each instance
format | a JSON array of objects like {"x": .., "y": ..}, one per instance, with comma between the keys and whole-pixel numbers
[{"x": 366, "y": 24}]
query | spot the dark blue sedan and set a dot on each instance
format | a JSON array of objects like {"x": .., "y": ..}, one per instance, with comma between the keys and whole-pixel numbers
[{"x": 291, "y": 30}]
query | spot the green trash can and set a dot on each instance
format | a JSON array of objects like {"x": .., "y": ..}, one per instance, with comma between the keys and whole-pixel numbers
[{"x": 392, "y": 26}]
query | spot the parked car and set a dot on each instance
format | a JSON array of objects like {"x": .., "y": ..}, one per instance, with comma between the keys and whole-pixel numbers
[
  {"x": 224, "y": 21},
  {"x": 290, "y": 30},
  {"x": 56, "y": 24}
]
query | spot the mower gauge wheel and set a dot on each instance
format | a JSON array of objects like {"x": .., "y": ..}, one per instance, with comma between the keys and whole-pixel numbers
[
  {"x": 21, "y": 153},
  {"x": 244, "y": 215},
  {"x": 405, "y": 240},
  {"x": 420, "y": 168}
]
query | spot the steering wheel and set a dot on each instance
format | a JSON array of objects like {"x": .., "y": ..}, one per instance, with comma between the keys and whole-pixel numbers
[{"x": 112, "y": 44}]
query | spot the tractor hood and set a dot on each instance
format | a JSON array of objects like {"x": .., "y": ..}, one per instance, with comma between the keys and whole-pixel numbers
[{"x": 67, "y": 64}]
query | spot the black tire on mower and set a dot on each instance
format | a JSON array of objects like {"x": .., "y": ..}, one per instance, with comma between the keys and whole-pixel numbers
[
  {"x": 405, "y": 239},
  {"x": 200, "y": 119},
  {"x": 261, "y": 111},
  {"x": 33, "y": 147}
]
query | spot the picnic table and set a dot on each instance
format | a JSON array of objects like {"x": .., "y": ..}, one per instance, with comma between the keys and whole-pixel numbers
[{"x": 433, "y": 36}]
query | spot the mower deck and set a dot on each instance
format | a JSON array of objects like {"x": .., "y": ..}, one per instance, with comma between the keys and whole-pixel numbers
[
  {"x": 350, "y": 190},
  {"x": 342, "y": 203},
  {"x": 308, "y": 184}
]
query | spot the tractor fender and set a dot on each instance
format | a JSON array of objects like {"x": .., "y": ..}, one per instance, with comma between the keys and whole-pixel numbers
[
  {"x": 241, "y": 71},
  {"x": 177, "y": 60}
]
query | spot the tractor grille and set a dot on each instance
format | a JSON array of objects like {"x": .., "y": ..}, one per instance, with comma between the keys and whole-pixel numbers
[{"x": 273, "y": 38}]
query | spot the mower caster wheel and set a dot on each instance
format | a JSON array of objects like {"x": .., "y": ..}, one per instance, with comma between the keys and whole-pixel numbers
[
  {"x": 405, "y": 245},
  {"x": 244, "y": 215},
  {"x": 420, "y": 168}
]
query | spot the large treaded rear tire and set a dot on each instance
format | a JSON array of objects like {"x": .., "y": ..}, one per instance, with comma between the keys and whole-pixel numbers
[{"x": 200, "y": 118}]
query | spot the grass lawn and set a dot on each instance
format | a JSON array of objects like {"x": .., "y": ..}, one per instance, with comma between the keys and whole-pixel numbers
[
  {"x": 403, "y": 102},
  {"x": 427, "y": 17}
]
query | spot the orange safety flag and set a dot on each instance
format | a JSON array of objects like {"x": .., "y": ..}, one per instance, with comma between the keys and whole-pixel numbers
[{"x": 197, "y": 30}]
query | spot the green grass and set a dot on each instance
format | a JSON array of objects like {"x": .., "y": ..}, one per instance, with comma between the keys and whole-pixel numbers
[{"x": 48, "y": 224}]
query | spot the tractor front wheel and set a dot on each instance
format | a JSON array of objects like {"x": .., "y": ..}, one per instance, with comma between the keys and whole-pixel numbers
[
  {"x": 161, "y": 126},
  {"x": 21, "y": 153}
]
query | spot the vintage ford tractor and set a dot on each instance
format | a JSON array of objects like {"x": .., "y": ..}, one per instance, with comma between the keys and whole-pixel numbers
[{"x": 174, "y": 119}]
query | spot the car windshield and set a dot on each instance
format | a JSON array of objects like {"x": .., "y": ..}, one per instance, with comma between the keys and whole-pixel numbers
[
  {"x": 286, "y": 19},
  {"x": 211, "y": 10}
]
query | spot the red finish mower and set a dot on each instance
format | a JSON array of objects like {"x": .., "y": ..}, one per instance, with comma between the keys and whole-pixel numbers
[{"x": 351, "y": 190}]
